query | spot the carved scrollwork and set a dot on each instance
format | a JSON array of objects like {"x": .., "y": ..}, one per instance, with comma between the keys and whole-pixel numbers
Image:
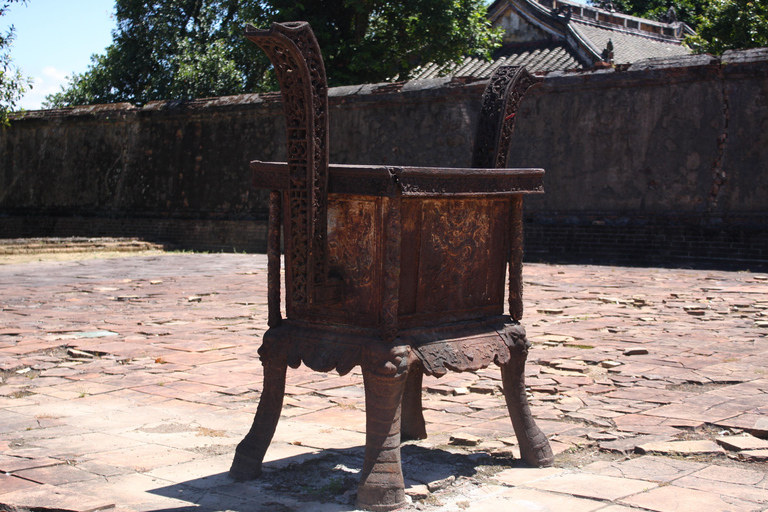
[
  {"x": 390, "y": 299},
  {"x": 501, "y": 99},
  {"x": 295, "y": 55},
  {"x": 385, "y": 359}
]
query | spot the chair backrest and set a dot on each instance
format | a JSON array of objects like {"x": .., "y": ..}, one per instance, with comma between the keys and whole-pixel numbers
[
  {"x": 496, "y": 122},
  {"x": 293, "y": 50},
  {"x": 295, "y": 54}
]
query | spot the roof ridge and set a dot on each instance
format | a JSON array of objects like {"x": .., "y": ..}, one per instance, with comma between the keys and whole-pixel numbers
[{"x": 627, "y": 30}]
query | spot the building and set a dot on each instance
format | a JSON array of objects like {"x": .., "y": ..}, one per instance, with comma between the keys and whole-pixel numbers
[{"x": 559, "y": 35}]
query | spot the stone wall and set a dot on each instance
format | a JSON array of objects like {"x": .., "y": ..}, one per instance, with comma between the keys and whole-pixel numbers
[{"x": 662, "y": 162}]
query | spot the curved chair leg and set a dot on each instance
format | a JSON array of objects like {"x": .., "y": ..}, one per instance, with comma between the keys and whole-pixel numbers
[
  {"x": 384, "y": 375},
  {"x": 412, "y": 423},
  {"x": 251, "y": 450},
  {"x": 534, "y": 446}
]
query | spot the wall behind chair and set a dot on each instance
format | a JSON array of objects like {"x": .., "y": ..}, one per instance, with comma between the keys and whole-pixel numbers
[{"x": 663, "y": 162}]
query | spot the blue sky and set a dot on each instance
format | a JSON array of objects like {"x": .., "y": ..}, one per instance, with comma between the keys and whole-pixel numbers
[{"x": 56, "y": 38}]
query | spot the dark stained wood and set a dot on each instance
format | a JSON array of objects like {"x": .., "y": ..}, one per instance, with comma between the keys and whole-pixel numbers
[{"x": 399, "y": 270}]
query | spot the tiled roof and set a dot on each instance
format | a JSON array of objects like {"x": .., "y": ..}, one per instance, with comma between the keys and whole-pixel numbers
[
  {"x": 628, "y": 47},
  {"x": 576, "y": 36},
  {"x": 535, "y": 57}
]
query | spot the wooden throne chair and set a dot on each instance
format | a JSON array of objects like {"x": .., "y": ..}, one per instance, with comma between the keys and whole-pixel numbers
[{"x": 400, "y": 270}]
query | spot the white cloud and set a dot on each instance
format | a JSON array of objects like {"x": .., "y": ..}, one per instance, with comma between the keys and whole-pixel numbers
[{"x": 49, "y": 82}]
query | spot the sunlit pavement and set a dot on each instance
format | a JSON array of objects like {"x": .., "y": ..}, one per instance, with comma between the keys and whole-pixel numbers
[{"x": 128, "y": 382}]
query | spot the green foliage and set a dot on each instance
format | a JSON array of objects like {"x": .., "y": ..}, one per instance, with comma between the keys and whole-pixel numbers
[
  {"x": 687, "y": 11},
  {"x": 172, "y": 49},
  {"x": 12, "y": 83},
  {"x": 720, "y": 24},
  {"x": 365, "y": 41},
  {"x": 183, "y": 49},
  {"x": 731, "y": 25}
]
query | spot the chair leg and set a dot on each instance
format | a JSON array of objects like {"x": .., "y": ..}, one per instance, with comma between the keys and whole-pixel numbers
[
  {"x": 534, "y": 446},
  {"x": 384, "y": 376},
  {"x": 251, "y": 450},
  {"x": 412, "y": 423}
]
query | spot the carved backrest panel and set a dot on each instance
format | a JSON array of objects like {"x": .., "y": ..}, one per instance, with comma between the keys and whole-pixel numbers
[
  {"x": 295, "y": 55},
  {"x": 501, "y": 99}
]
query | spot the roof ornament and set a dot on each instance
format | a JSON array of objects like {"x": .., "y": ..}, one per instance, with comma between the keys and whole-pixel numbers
[
  {"x": 670, "y": 16},
  {"x": 563, "y": 11},
  {"x": 607, "y": 54},
  {"x": 607, "y": 5}
]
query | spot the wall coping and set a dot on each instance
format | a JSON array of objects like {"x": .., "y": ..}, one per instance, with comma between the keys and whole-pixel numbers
[{"x": 732, "y": 62}]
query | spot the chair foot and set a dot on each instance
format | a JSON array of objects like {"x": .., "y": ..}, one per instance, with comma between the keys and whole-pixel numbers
[
  {"x": 251, "y": 450},
  {"x": 384, "y": 376},
  {"x": 245, "y": 468},
  {"x": 534, "y": 446},
  {"x": 412, "y": 424}
]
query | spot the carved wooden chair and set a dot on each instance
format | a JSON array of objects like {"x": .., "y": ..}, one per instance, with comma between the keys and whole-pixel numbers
[{"x": 397, "y": 269}]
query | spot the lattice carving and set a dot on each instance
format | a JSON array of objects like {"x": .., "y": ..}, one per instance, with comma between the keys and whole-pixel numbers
[
  {"x": 295, "y": 55},
  {"x": 501, "y": 99}
]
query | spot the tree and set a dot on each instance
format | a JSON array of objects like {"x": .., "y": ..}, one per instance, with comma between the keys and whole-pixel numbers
[
  {"x": 172, "y": 49},
  {"x": 182, "y": 49},
  {"x": 720, "y": 24},
  {"x": 731, "y": 25},
  {"x": 12, "y": 83},
  {"x": 365, "y": 41}
]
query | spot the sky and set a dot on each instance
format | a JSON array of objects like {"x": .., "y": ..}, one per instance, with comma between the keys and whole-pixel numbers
[{"x": 55, "y": 39}]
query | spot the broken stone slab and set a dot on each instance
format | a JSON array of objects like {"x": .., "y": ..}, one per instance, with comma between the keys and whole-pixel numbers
[
  {"x": 589, "y": 419},
  {"x": 80, "y": 353},
  {"x": 577, "y": 441},
  {"x": 569, "y": 404},
  {"x": 550, "y": 311},
  {"x": 462, "y": 439},
  {"x": 549, "y": 390},
  {"x": 440, "y": 484},
  {"x": 700, "y": 447},
  {"x": 440, "y": 389},
  {"x": 615, "y": 300},
  {"x": 556, "y": 338},
  {"x": 602, "y": 436},
  {"x": 483, "y": 388},
  {"x": 755, "y": 424},
  {"x": 572, "y": 366},
  {"x": 126, "y": 298},
  {"x": 740, "y": 443},
  {"x": 636, "y": 352},
  {"x": 48, "y": 497},
  {"x": 417, "y": 492},
  {"x": 754, "y": 455},
  {"x": 10, "y": 464},
  {"x": 630, "y": 444}
]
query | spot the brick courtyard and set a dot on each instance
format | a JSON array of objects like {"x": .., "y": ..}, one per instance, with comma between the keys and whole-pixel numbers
[{"x": 127, "y": 383}]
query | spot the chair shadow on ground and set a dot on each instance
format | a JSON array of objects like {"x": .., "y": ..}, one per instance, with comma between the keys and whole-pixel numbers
[{"x": 324, "y": 481}]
